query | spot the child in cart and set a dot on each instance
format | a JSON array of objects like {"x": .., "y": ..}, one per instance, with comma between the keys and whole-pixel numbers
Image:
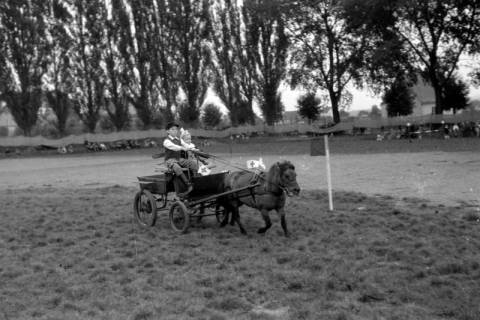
[{"x": 174, "y": 146}]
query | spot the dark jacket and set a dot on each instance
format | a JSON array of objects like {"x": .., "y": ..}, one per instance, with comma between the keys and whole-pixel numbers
[{"x": 170, "y": 154}]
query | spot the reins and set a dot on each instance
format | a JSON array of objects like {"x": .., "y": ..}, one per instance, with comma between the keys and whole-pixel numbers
[{"x": 228, "y": 163}]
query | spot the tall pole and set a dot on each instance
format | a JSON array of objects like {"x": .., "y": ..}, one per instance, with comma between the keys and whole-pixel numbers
[{"x": 329, "y": 176}]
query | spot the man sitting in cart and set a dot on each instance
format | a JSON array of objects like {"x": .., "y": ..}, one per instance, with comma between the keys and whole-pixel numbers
[{"x": 173, "y": 159}]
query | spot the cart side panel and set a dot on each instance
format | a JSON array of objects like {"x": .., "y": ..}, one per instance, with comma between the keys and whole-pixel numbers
[
  {"x": 208, "y": 185},
  {"x": 157, "y": 184}
]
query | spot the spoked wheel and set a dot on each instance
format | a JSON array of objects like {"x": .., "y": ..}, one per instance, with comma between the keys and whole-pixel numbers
[
  {"x": 145, "y": 208},
  {"x": 179, "y": 217},
  {"x": 220, "y": 213}
]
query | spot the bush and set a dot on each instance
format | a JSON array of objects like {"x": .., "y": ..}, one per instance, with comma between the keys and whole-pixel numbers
[
  {"x": 106, "y": 124},
  {"x": 158, "y": 121},
  {"x": 188, "y": 114},
  {"x": 212, "y": 116}
]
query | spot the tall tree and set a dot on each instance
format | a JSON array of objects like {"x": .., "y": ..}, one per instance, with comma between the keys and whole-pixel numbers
[
  {"x": 24, "y": 49},
  {"x": 326, "y": 53},
  {"x": 163, "y": 55},
  {"x": 59, "y": 77},
  {"x": 137, "y": 49},
  {"x": 265, "y": 25},
  {"x": 117, "y": 79},
  {"x": 233, "y": 67},
  {"x": 87, "y": 63},
  {"x": 436, "y": 33},
  {"x": 192, "y": 27}
]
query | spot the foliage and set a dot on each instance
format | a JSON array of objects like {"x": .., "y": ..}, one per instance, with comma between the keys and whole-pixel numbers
[
  {"x": 189, "y": 115},
  {"x": 114, "y": 54},
  {"x": 116, "y": 100},
  {"x": 158, "y": 121},
  {"x": 233, "y": 67},
  {"x": 455, "y": 95},
  {"x": 59, "y": 85},
  {"x": 399, "y": 98},
  {"x": 87, "y": 63},
  {"x": 192, "y": 27},
  {"x": 326, "y": 52},
  {"x": 61, "y": 105},
  {"x": 24, "y": 48},
  {"x": 139, "y": 35},
  {"x": 267, "y": 35},
  {"x": 309, "y": 106},
  {"x": 212, "y": 116},
  {"x": 435, "y": 34},
  {"x": 243, "y": 112},
  {"x": 384, "y": 56}
]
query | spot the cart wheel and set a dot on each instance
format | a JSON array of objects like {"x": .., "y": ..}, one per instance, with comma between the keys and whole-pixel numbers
[
  {"x": 145, "y": 208},
  {"x": 220, "y": 212},
  {"x": 179, "y": 217}
]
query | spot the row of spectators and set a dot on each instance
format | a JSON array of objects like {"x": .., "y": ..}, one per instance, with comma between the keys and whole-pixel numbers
[
  {"x": 461, "y": 129},
  {"x": 411, "y": 131},
  {"x": 128, "y": 144}
]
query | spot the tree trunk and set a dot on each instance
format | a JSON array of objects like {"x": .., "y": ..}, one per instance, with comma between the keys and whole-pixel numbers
[
  {"x": 269, "y": 107},
  {"x": 334, "y": 99},
  {"x": 438, "y": 97}
]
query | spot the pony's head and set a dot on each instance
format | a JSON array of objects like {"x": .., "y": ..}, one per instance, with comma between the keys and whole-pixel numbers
[{"x": 282, "y": 176}]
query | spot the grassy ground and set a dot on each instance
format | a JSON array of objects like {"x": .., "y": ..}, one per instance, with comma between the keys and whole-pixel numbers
[{"x": 76, "y": 254}]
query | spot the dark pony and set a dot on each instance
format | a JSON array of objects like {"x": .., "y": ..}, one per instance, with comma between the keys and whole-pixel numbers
[{"x": 270, "y": 194}]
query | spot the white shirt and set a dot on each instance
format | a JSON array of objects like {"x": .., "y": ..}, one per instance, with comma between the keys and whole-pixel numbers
[{"x": 168, "y": 143}]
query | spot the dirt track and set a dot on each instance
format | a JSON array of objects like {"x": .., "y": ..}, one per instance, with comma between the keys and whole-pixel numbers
[{"x": 442, "y": 177}]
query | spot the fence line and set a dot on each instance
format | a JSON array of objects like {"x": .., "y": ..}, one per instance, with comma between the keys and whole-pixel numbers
[{"x": 301, "y": 128}]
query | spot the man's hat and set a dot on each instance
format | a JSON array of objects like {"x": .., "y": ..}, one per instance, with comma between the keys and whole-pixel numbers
[{"x": 172, "y": 124}]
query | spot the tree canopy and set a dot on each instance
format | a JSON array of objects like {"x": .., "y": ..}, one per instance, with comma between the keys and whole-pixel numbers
[{"x": 161, "y": 57}]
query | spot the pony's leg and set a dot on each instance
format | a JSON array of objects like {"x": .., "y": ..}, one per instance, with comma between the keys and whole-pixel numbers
[
  {"x": 266, "y": 218},
  {"x": 283, "y": 221},
  {"x": 224, "y": 222},
  {"x": 236, "y": 218}
]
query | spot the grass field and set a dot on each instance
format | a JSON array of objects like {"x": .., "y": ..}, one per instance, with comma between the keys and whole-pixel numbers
[{"x": 77, "y": 254}]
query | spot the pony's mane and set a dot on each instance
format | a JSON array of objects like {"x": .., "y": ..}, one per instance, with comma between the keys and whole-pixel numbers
[{"x": 273, "y": 175}]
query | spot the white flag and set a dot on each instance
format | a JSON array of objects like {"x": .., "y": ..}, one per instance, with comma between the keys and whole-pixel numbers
[
  {"x": 256, "y": 164},
  {"x": 204, "y": 170}
]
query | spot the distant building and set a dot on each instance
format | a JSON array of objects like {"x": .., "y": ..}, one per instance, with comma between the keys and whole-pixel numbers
[
  {"x": 424, "y": 98},
  {"x": 291, "y": 117}
]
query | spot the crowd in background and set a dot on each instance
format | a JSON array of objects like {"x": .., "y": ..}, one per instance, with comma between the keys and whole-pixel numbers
[{"x": 445, "y": 130}]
